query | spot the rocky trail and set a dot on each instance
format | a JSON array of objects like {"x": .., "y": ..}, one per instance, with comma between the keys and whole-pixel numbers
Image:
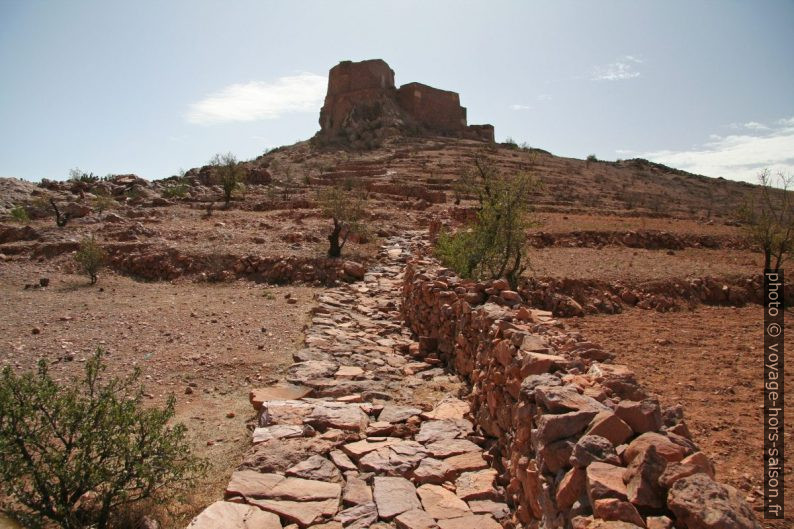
[{"x": 383, "y": 441}]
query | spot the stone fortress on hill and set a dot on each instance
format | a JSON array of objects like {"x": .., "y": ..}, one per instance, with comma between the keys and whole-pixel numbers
[{"x": 363, "y": 107}]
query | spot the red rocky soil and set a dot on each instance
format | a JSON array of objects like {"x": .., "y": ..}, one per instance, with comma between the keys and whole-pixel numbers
[
  {"x": 709, "y": 360},
  {"x": 208, "y": 344}
]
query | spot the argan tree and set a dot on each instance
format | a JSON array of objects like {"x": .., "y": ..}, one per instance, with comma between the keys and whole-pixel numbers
[
  {"x": 228, "y": 173},
  {"x": 76, "y": 453},
  {"x": 767, "y": 216},
  {"x": 494, "y": 244},
  {"x": 91, "y": 257},
  {"x": 347, "y": 210}
]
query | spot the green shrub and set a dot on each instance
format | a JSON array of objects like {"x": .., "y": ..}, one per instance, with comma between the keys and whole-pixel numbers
[
  {"x": 494, "y": 245},
  {"x": 20, "y": 214},
  {"x": 91, "y": 257},
  {"x": 75, "y": 454},
  {"x": 591, "y": 158}
]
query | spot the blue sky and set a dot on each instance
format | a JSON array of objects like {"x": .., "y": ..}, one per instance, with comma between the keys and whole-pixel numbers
[{"x": 149, "y": 87}]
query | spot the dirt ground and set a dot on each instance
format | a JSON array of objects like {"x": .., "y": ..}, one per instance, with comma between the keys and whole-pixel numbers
[
  {"x": 219, "y": 340},
  {"x": 635, "y": 264},
  {"x": 709, "y": 360}
]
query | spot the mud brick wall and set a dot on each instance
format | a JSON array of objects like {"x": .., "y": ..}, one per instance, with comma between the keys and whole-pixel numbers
[{"x": 577, "y": 440}]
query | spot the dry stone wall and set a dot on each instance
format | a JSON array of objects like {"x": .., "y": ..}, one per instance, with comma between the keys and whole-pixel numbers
[{"x": 577, "y": 441}]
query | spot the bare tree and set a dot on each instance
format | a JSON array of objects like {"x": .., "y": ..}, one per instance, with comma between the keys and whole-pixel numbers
[
  {"x": 347, "y": 209},
  {"x": 768, "y": 217}
]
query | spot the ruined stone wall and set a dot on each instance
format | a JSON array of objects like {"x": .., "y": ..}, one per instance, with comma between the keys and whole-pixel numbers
[
  {"x": 354, "y": 84},
  {"x": 363, "y": 104},
  {"x": 577, "y": 440},
  {"x": 435, "y": 109}
]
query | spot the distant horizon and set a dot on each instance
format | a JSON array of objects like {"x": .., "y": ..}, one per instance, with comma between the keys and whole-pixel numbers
[{"x": 153, "y": 88}]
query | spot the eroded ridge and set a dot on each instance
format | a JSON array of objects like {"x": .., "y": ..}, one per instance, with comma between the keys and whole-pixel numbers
[{"x": 362, "y": 433}]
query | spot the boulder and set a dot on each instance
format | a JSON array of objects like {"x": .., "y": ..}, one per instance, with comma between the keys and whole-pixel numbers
[
  {"x": 699, "y": 502},
  {"x": 643, "y": 416},
  {"x": 612, "y": 509},
  {"x": 590, "y": 448}
]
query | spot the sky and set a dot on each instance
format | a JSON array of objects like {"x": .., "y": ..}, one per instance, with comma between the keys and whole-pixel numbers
[{"x": 152, "y": 87}]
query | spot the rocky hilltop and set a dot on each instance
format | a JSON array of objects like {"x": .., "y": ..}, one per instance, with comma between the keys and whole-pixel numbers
[{"x": 363, "y": 106}]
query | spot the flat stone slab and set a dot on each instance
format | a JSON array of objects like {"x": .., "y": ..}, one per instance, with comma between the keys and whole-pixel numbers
[
  {"x": 316, "y": 468},
  {"x": 451, "y": 447},
  {"x": 398, "y": 413},
  {"x": 360, "y": 516},
  {"x": 253, "y": 484},
  {"x": 343, "y": 416},
  {"x": 394, "y": 496},
  {"x": 432, "y": 431},
  {"x": 473, "y": 521},
  {"x": 360, "y": 448},
  {"x": 396, "y": 459},
  {"x": 496, "y": 509},
  {"x": 230, "y": 515},
  {"x": 450, "y": 408},
  {"x": 277, "y": 431},
  {"x": 303, "y": 513},
  {"x": 441, "y": 503},
  {"x": 277, "y": 392},
  {"x": 356, "y": 491},
  {"x": 415, "y": 519},
  {"x": 477, "y": 485}
]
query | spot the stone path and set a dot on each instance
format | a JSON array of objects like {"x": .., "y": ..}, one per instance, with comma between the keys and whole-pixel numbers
[{"x": 361, "y": 433}]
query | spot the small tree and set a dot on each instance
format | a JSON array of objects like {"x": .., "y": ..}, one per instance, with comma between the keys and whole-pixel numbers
[
  {"x": 228, "y": 173},
  {"x": 494, "y": 245},
  {"x": 347, "y": 210},
  {"x": 91, "y": 257},
  {"x": 74, "y": 454},
  {"x": 768, "y": 217}
]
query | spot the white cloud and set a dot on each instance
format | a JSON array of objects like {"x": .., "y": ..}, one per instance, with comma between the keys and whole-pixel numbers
[
  {"x": 737, "y": 156},
  {"x": 754, "y": 125},
  {"x": 521, "y": 107},
  {"x": 619, "y": 70},
  {"x": 544, "y": 97},
  {"x": 258, "y": 100}
]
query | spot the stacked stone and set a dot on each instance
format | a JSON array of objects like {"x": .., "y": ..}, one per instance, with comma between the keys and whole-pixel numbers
[
  {"x": 577, "y": 297},
  {"x": 576, "y": 440},
  {"x": 346, "y": 441},
  {"x": 152, "y": 262}
]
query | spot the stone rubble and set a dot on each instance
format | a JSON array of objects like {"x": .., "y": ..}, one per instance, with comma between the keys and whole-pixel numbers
[{"x": 462, "y": 409}]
